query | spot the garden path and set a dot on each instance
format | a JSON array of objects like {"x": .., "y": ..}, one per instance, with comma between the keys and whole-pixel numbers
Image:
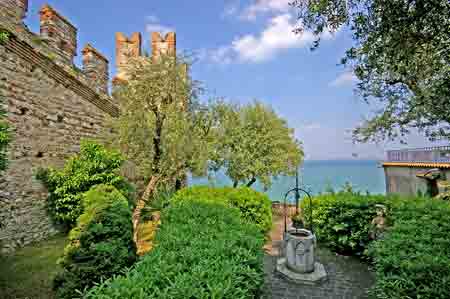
[{"x": 348, "y": 278}]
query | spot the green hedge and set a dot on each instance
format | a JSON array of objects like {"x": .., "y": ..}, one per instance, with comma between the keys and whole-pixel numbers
[
  {"x": 255, "y": 207},
  {"x": 412, "y": 260},
  {"x": 342, "y": 221},
  {"x": 203, "y": 250},
  {"x": 101, "y": 245}
]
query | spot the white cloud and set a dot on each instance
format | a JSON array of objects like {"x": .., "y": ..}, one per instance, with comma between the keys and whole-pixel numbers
[
  {"x": 276, "y": 37},
  {"x": 154, "y": 25},
  {"x": 265, "y": 6},
  {"x": 346, "y": 78}
]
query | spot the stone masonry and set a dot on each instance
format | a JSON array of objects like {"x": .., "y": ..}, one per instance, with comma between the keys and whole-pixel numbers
[
  {"x": 126, "y": 49},
  {"x": 51, "y": 105}
]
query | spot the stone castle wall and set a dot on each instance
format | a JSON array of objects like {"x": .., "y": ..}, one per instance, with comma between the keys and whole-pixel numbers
[{"x": 51, "y": 105}]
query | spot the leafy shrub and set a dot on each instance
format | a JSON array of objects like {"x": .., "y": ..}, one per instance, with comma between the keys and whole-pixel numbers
[
  {"x": 342, "y": 220},
  {"x": 255, "y": 207},
  {"x": 94, "y": 165},
  {"x": 413, "y": 259},
  {"x": 203, "y": 250},
  {"x": 101, "y": 245}
]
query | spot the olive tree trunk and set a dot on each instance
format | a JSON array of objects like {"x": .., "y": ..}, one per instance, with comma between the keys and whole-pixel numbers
[{"x": 140, "y": 204}]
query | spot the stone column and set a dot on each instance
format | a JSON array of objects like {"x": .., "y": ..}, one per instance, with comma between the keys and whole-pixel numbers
[
  {"x": 59, "y": 33},
  {"x": 95, "y": 67}
]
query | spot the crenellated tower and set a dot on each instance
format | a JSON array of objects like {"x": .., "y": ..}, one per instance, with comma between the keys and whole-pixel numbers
[
  {"x": 126, "y": 49},
  {"x": 163, "y": 46},
  {"x": 129, "y": 48}
]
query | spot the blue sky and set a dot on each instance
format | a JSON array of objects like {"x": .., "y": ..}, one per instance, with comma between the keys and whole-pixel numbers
[{"x": 246, "y": 50}]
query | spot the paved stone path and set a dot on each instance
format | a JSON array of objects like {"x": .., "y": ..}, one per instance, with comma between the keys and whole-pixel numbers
[{"x": 348, "y": 278}]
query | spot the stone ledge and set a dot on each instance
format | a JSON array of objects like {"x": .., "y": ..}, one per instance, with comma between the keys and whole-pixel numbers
[{"x": 318, "y": 276}]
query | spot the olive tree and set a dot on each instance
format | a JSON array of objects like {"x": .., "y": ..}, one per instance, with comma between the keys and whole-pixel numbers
[
  {"x": 401, "y": 57},
  {"x": 162, "y": 129},
  {"x": 254, "y": 143}
]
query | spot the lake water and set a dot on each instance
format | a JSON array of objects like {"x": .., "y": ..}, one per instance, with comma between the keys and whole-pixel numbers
[{"x": 317, "y": 176}]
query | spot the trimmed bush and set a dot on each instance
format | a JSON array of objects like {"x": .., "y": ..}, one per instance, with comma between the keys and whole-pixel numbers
[
  {"x": 413, "y": 260},
  {"x": 203, "y": 250},
  {"x": 94, "y": 165},
  {"x": 255, "y": 207},
  {"x": 101, "y": 245},
  {"x": 342, "y": 221}
]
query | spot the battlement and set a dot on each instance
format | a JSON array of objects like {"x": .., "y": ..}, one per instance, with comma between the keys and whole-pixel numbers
[
  {"x": 59, "y": 33},
  {"x": 163, "y": 46},
  {"x": 130, "y": 48},
  {"x": 126, "y": 49},
  {"x": 57, "y": 42},
  {"x": 95, "y": 67}
]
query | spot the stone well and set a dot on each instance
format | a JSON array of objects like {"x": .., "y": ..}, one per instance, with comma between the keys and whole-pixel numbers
[{"x": 299, "y": 262}]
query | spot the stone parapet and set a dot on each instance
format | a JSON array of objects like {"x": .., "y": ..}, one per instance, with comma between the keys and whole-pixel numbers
[
  {"x": 126, "y": 49},
  {"x": 14, "y": 10},
  {"x": 36, "y": 51},
  {"x": 95, "y": 67},
  {"x": 163, "y": 46},
  {"x": 59, "y": 33}
]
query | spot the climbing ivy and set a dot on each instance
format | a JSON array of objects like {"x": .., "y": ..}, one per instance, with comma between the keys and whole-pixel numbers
[
  {"x": 5, "y": 137},
  {"x": 4, "y": 37}
]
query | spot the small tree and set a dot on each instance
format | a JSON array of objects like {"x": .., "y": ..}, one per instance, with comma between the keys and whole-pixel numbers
[
  {"x": 161, "y": 129},
  {"x": 253, "y": 142}
]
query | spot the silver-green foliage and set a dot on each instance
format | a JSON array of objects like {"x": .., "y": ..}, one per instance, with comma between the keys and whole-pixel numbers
[
  {"x": 254, "y": 143},
  {"x": 161, "y": 128},
  {"x": 401, "y": 57}
]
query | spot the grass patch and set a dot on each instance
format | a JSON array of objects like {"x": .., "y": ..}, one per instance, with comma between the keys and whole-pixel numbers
[{"x": 30, "y": 271}]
